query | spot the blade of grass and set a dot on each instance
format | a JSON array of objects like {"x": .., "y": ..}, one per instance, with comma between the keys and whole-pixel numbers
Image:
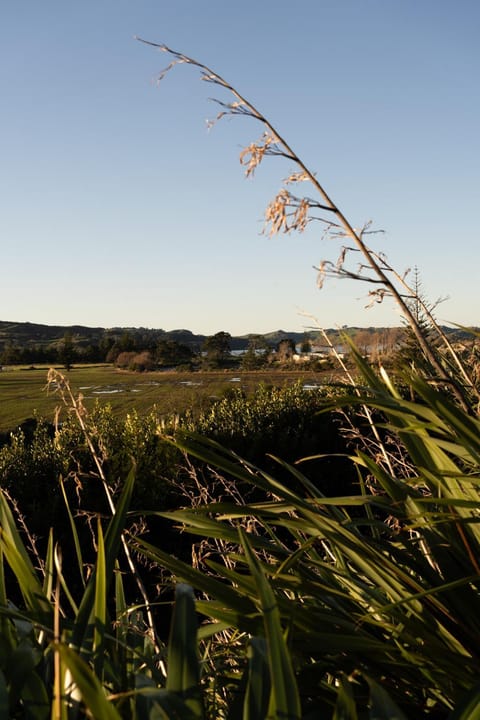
[
  {"x": 112, "y": 542},
  {"x": 382, "y": 707},
  {"x": 73, "y": 527},
  {"x": 183, "y": 667},
  {"x": 17, "y": 557},
  {"x": 90, "y": 688},
  {"x": 99, "y": 610},
  {"x": 284, "y": 699},
  {"x": 345, "y": 708},
  {"x": 258, "y": 688}
]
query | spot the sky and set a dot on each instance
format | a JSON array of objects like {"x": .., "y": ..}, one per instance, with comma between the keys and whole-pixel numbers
[{"x": 119, "y": 207}]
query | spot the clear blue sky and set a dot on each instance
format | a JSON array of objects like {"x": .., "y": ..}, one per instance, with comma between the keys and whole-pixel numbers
[{"x": 118, "y": 207}]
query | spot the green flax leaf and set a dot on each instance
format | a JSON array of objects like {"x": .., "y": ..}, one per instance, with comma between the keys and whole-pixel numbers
[{"x": 284, "y": 700}]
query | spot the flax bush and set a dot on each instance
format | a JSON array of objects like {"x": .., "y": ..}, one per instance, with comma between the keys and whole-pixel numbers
[
  {"x": 355, "y": 606},
  {"x": 376, "y": 596}
]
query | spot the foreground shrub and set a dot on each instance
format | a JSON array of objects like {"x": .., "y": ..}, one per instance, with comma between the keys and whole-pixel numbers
[
  {"x": 286, "y": 422},
  {"x": 275, "y": 420},
  {"x": 378, "y": 594},
  {"x": 278, "y": 421},
  {"x": 88, "y": 651},
  {"x": 29, "y": 472},
  {"x": 345, "y": 607}
]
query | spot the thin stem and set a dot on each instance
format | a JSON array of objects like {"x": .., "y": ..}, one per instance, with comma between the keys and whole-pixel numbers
[
  {"x": 365, "y": 408},
  {"x": 70, "y": 400},
  {"x": 244, "y": 107}
]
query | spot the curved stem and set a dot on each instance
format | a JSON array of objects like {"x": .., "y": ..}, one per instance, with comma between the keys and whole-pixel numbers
[{"x": 244, "y": 107}]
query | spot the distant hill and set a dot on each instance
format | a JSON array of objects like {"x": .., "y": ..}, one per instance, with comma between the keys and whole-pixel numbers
[
  {"x": 26, "y": 332},
  {"x": 26, "y": 335},
  {"x": 32, "y": 334}
]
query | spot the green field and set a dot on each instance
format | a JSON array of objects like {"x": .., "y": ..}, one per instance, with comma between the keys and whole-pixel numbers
[{"x": 24, "y": 393}]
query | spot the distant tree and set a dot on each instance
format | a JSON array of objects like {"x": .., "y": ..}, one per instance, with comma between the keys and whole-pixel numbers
[
  {"x": 11, "y": 354},
  {"x": 385, "y": 343},
  {"x": 256, "y": 354},
  {"x": 113, "y": 353},
  {"x": 217, "y": 348},
  {"x": 105, "y": 345},
  {"x": 124, "y": 360},
  {"x": 67, "y": 352},
  {"x": 127, "y": 342},
  {"x": 306, "y": 345},
  {"x": 143, "y": 362},
  {"x": 410, "y": 351},
  {"x": 170, "y": 353},
  {"x": 363, "y": 339},
  {"x": 91, "y": 353},
  {"x": 285, "y": 350}
]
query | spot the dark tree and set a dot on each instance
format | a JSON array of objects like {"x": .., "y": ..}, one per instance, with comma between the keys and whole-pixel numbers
[
  {"x": 306, "y": 345},
  {"x": 256, "y": 354},
  {"x": 11, "y": 354},
  {"x": 170, "y": 353},
  {"x": 285, "y": 350},
  {"x": 217, "y": 348},
  {"x": 411, "y": 352},
  {"x": 67, "y": 352}
]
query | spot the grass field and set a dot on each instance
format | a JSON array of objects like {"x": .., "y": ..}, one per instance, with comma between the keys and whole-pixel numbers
[{"x": 23, "y": 391}]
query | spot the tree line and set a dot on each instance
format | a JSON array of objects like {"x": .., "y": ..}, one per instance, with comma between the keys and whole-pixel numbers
[
  {"x": 146, "y": 350},
  {"x": 129, "y": 350}
]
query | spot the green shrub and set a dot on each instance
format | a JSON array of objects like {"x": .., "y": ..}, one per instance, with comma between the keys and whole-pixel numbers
[
  {"x": 30, "y": 471},
  {"x": 272, "y": 419},
  {"x": 27, "y": 468},
  {"x": 286, "y": 422},
  {"x": 378, "y": 594}
]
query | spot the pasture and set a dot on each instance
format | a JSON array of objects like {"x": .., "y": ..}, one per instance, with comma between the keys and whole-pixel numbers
[{"x": 24, "y": 392}]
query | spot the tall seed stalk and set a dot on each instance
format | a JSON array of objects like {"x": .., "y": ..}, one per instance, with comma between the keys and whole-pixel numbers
[
  {"x": 288, "y": 212},
  {"x": 62, "y": 386}
]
